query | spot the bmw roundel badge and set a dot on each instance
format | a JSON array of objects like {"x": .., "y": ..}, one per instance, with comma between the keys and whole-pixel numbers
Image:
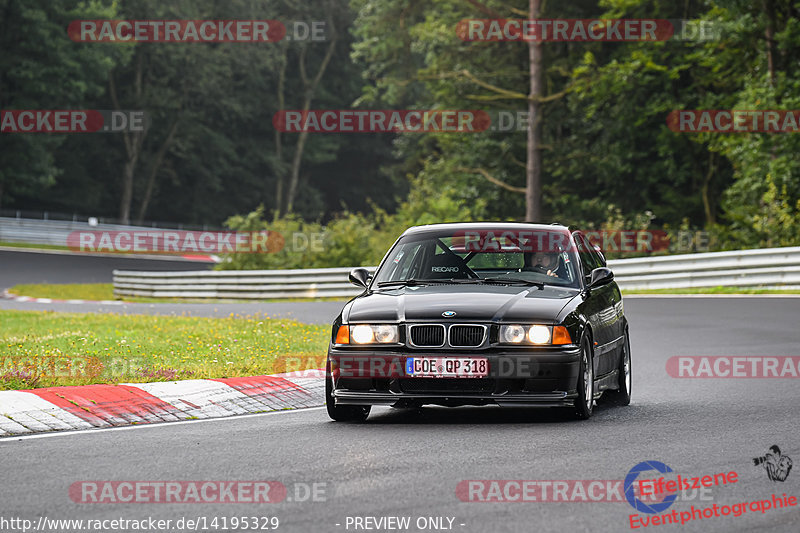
[{"x": 449, "y": 314}]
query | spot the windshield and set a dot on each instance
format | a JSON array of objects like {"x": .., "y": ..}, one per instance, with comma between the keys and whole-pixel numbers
[{"x": 482, "y": 256}]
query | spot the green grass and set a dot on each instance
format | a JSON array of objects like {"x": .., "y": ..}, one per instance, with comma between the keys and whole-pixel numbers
[
  {"x": 105, "y": 291},
  {"x": 69, "y": 291},
  {"x": 713, "y": 290},
  {"x": 31, "y": 245},
  {"x": 42, "y": 349}
]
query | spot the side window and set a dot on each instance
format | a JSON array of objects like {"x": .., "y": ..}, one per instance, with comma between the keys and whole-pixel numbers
[
  {"x": 409, "y": 260},
  {"x": 588, "y": 261},
  {"x": 599, "y": 258},
  {"x": 413, "y": 265},
  {"x": 403, "y": 260}
]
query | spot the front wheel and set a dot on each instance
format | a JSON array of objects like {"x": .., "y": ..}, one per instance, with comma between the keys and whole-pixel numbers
[
  {"x": 342, "y": 413},
  {"x": 584, "y": 404},
  {"x": 622, "y": 396}
]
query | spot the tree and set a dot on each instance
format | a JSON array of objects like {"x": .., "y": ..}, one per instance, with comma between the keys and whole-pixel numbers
[
  {"x": 533, "y": 167},
  {"x": 40, "y": 68},
  {"x": 422, "y": 62},
  {"x": 309, "y": 86}
]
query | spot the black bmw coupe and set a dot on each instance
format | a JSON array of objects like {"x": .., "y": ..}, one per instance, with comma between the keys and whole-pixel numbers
[{"x": 477, "y": 314}]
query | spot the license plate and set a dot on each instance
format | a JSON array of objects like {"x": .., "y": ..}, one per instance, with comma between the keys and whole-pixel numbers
[{"x": 447, "y": 367}]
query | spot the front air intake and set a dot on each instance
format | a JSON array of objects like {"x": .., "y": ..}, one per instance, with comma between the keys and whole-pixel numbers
[
  {"x": 427, "y": 335},
  {"x": 466, "y": 336}
]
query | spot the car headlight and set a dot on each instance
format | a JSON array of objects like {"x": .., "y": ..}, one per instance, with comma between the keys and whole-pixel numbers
[
  {"x": 539, "y": 334},
  {"x": 513, "y": 334},
  {"x": 535, "y": 334},
  {"x": 368, "y": 334}
]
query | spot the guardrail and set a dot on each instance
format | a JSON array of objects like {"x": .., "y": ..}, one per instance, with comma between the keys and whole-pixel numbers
[
  {"x": 55, "y": 232},
  {"x": 769, "y": 267},
  {"x": 774, "y": 267},
  {"x": 237, "y": 284}
]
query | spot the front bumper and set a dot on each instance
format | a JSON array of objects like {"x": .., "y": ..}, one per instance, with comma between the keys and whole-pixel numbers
[{"x": 544, "y": 377}]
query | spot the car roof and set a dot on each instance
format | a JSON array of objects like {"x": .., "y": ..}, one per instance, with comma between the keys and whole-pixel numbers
[{"x": 486, "y": 226}]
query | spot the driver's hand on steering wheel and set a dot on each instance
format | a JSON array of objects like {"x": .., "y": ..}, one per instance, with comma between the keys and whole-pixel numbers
[{"x": 540, "y": 268}]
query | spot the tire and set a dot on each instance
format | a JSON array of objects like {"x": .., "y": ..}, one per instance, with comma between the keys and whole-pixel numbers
[
  {"x": 342, "y": 413},
  {"x": 584, "y": 404},
  {"x": 622, "y": 396}
]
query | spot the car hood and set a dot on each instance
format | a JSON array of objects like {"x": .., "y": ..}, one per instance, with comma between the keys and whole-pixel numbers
[{"x": 483, "y": 303}]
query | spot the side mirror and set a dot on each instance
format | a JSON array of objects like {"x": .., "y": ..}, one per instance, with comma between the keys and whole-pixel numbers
[
  {"x": 359, "y": 277},
  {"x": 601, "y": 276}
]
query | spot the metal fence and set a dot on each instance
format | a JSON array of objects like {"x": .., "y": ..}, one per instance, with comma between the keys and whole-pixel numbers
[
  {"x": 17, "y": 229},
  {"x": 237, "y": 284},
  {"x": 769, "y": 267},
  {"x": 775, "y": 267}
]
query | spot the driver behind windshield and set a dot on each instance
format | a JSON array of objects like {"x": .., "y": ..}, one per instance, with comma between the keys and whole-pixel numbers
[{"x": 548, "y": 263}]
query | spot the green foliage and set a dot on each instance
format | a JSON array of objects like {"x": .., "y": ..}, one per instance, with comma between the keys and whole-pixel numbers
[
  {"x": 42, "y": 69},
  {"x": 609, "y": 159},
  {"x": 351, "y": 239},
  {"x": 771, "y": 221},
  {"x": 223, "y": 158}
]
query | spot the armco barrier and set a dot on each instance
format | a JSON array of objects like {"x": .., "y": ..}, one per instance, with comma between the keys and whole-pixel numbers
[
  {"x": 237, "y": 284},
  {"x": 774, "y": 267},
  {"x": 770, "y": 267},
  {"x": 55, "y": 232}
]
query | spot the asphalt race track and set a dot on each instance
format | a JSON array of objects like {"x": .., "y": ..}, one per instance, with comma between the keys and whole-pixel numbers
[
  {"x": 33, "y": 267},
  {"x": 409, "y": 463},
  {"x": 18, "y": 267}
]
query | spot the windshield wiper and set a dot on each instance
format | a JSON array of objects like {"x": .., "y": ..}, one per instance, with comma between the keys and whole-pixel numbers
[
  {"x": 514, "y": 281},
  {"x": 399, "y": 282},
  {"x": 412, "y": 282}
]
